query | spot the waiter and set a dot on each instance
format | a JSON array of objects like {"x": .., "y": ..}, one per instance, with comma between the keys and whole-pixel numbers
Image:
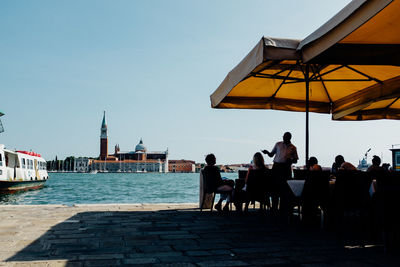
[{"x": 285, "y": 154}]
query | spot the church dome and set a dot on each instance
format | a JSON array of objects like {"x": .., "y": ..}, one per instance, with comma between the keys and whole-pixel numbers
[{"x": 140, "y": 147}]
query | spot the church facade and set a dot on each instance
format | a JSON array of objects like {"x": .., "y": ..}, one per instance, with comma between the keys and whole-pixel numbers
[{"x": 138, "y": 160}]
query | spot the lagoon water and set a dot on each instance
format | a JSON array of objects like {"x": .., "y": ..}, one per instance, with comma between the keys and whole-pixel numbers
[{"x": 84, "y": 188}]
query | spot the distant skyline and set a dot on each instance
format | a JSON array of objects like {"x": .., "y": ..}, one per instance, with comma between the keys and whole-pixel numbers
[{"x": 152, "y": 65}]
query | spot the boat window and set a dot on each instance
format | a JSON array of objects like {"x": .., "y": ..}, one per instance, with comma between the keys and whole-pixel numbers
[
  {"x": 1, "y": 160},
  {"x": 23, "y": 164}
]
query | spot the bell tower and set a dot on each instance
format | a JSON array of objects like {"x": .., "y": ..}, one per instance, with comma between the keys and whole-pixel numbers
[{"x": 103, "y": 139}]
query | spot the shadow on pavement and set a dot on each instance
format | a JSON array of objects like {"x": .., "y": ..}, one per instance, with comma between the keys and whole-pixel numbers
[{"x": 190, "y": 238}]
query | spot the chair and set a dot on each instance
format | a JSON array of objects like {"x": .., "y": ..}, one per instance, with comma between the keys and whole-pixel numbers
[
  {"x": 315, "y": 196},
  {"x": 351, "y": 201},
  {"x": 258, "y": 187},
  {"x": 239, "y": 196},
  {"x": 207, "y": 188},
  {"x": 388, "y": 202}
]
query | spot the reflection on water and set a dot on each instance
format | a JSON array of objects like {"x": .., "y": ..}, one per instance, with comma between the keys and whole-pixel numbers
[{"x": 82, "y": 188}]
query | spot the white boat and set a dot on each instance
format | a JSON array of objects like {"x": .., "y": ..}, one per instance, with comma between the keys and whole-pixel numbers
[{"x": 21, "y": 170}]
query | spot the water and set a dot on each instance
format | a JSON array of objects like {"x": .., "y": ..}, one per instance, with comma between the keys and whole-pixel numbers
[{"x": 83, "y": 188}]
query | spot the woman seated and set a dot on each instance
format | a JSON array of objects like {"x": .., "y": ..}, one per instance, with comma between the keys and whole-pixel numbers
[
  {"x": 216, "y": 183},
  {"x": 255, "y": 182},
  {"x": 313, "y": 164}
]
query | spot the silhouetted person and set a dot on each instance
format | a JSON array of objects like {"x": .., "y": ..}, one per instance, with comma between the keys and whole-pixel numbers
[
  {"x": 313, "y": 164},
  {"x": 386, "y": 167},
  {"x": 341, "y": 164},
  {"x": 216, "y": 182},
  {"x": 258, "y": 165},
  {"x": 376, "y": 162},
  {"x": 285, "y": 154}
]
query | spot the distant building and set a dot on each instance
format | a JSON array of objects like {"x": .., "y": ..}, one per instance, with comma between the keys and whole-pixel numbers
[
  {"x": 103, "y": 139},
  {"x": 139, "y": 160},
  {"x": 81, "y": 164},
  {"x": 181, "y": 165}
]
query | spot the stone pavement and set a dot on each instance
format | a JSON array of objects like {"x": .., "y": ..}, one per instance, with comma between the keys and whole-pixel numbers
[{"x": 166, "y": 235}]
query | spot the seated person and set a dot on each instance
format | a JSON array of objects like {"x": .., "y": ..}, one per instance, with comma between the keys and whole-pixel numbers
[
  {"x": 376, "y": 161},
  {"x": 341, "y": 164},
  {"x": 258, "y": 165},
  {"x": 216, "y": 183},
  {"x": 313, "y": 164}
]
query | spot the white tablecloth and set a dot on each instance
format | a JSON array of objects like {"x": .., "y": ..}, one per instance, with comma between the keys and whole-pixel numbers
[{"x": 296, "y": 186}]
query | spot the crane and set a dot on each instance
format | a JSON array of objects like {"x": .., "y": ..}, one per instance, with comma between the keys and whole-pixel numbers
[{"x": 366, "y": 154}]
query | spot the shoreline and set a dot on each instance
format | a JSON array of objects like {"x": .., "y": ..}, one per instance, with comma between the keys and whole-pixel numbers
[{"x": 103, "y": 204}]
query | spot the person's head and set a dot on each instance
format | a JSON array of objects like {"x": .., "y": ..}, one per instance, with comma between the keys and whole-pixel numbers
[
  {"x": 258, "y": 160},
  {"x": 312, "y": 161},
  {"x": 339, "y": 160},
  {"x": 287, "y": 137},
  {"x": 376, "y": 161},
  {"x": 211, "y": 160}
]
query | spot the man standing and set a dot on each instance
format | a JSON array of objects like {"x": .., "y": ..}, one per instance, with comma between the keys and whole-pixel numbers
[{"x": 285, "y": 154}]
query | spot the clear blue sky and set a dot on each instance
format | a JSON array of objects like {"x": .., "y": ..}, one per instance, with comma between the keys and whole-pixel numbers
[{"x": 152, "y": 66}]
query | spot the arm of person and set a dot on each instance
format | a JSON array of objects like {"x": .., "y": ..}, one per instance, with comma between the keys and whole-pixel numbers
[
  {"x": 295, "y": 157},
  {"x": 272, "y": 153}
]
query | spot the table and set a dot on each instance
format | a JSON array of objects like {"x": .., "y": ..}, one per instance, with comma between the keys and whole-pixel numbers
[{"x": 296, "y": 186}]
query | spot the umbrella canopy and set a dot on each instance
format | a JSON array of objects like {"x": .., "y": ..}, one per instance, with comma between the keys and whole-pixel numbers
[
  {"x": 319, "y": 74},
  {"x": 271, "y": 76},
  {"x": 365, "y": 36}
]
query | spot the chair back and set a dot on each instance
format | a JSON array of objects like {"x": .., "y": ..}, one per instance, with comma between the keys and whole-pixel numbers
[
  {"x": 388, "y": 197},
  {"x": 258, "y": 183},
  {"x": 242, "y": 174},
  {"x": 351, "y": 190},
  {"x": 208, "y": 185},
  {"x": 316, "y": 188}
]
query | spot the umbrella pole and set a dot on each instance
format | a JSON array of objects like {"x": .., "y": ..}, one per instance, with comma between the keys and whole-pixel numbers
[{"x": 307, "y": 78}]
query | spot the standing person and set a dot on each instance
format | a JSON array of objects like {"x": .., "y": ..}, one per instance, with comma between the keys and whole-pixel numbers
[{"x": 285, "y": 154}]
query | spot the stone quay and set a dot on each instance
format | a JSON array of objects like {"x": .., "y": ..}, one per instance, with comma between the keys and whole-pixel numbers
[{"x": 167, "y": 235}]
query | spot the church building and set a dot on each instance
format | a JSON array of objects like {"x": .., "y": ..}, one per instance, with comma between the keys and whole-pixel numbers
[{"x": 138, "y": 160}]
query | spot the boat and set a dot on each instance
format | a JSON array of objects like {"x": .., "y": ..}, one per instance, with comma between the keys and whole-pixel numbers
[{"x": 21, "y": 170}]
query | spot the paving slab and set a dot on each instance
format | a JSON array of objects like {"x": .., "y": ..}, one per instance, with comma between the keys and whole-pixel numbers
[{"x": 167, "y": 235}]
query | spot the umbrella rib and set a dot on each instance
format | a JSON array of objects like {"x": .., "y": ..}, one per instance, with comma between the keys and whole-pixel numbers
[
  {"x": 332, "y": 80},
  {"x": 283, "y": 82},
  {"x": 363, "y": 74},
  {"x": 285, "y": 69},
  {"x": 264, "y": 75},
  {"x": 317, "y": 71},
  {"x": 253, "y": 74},
  {"x": 388, "y": 106},
  {"x": 326, "y": 89},
  {"x": 329, "y": 71}
]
